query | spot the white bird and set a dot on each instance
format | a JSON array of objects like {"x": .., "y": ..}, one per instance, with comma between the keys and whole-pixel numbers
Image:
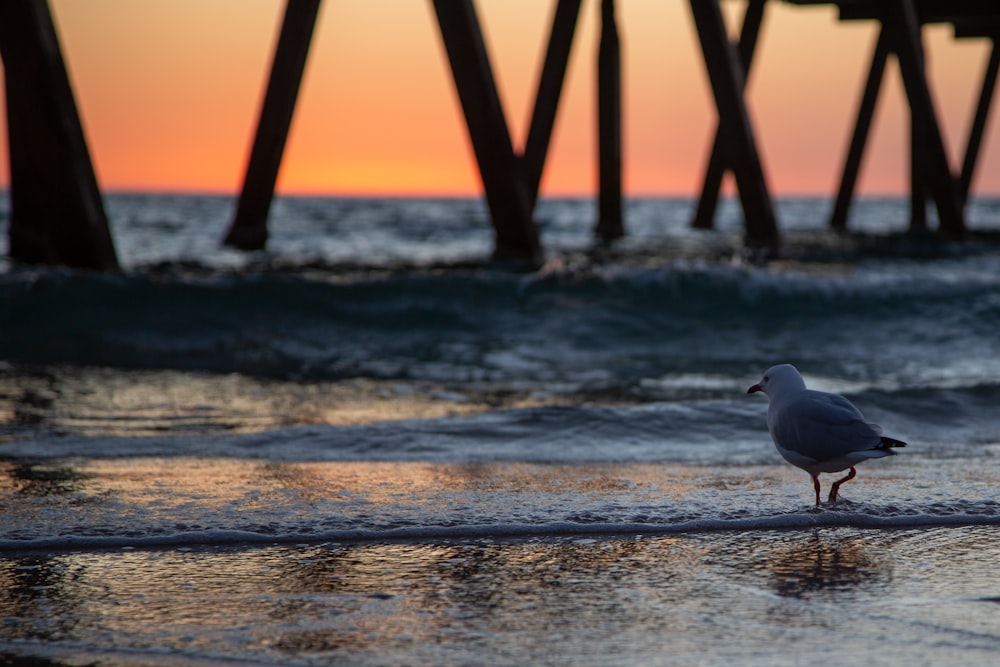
[{"x": 817, "y": 431}]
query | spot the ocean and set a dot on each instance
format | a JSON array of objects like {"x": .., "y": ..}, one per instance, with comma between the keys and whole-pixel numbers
[{"x": 369, "y": 445}]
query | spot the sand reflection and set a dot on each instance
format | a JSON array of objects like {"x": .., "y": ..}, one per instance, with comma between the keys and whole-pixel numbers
[
  {"x": 113, "y": 402},
  {"x": 349, "y": 600}
]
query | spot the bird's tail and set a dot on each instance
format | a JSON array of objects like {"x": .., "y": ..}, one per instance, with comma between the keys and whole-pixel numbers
[{"x": 888, "y": 443}]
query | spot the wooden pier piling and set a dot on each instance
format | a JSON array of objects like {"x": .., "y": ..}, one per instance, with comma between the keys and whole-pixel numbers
[
  {"x": 550, "y": 85},
  {"x": 726, "y": 77},
  {"x": 859, "y": 139},
  {"x": 704, "y": 217},
  {"x": 933, "y": 170},
  {"x": 57, "y": 215},
  {"x": 918, "y": 159},
  {"x": 610, "y": 218},
  {"x": 978, "y": 127},
  {"x": 900, "y": 35},
  {"x": 507, "y": 196},
  {"x": 248, "y": 230}
]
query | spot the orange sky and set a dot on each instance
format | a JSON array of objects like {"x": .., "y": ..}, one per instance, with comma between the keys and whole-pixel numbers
[{"x": 169, "y": 92}]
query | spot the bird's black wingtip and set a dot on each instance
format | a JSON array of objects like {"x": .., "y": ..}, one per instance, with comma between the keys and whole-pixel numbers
[{"x": 891, "y": 442}]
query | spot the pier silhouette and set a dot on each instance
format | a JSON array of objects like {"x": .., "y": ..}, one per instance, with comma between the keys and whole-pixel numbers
[{"x": 57, "y": 215}]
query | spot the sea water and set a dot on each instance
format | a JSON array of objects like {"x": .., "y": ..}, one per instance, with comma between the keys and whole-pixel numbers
[{"x": 368, "y": 446}]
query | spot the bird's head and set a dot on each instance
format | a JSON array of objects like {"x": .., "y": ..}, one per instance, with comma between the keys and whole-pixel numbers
[{"x": 778, "y": 379}]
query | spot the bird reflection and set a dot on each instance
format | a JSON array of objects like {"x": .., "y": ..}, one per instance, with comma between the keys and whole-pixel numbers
[{"x": 823, "y": 563}]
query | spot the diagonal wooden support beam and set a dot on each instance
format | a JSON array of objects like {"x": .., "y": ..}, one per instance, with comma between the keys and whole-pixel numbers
[
  {"x": 507, "y": 196},
  {"x": 726, "y": 77},
  {"x": 855, "y": 152},
  {"x": 979, "y": 122},
  {"x": 248, "y": 230},
  {"x": 550, "y": 84},
  {"x": 57, "y": 214},
  {"x": 900, "y": 17},
  {"x": 704, "y": 217}
]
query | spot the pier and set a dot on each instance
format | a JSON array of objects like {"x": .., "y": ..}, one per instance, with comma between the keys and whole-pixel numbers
[{"x": 57, "y": 214}]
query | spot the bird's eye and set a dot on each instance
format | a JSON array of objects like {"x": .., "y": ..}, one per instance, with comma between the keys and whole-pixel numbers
[{"x": 767, "y": 378}]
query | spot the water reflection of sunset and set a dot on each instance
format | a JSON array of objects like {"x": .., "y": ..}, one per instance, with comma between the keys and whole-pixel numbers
[
  {"x": 216, "y": 481},
  {"x": 106, "y": 402},
  {"x": 432, "y": 603},
  {"x": 154, "y": 498}
]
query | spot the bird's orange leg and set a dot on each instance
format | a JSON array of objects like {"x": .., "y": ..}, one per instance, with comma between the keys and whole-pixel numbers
[
  {"x": 816, "y": 486},
  {"x": 836, "y": 485}
]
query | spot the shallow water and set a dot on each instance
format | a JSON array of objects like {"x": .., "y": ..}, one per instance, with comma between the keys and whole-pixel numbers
[
  {"x": 365, "y": 446},
  {"x": 804, "y": 597},
  {"x": 205, "y": 560},
  {"x": 205, "y": 501}
]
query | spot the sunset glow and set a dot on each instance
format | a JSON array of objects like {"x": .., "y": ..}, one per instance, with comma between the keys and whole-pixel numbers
[{"x": 169, "y": 94}]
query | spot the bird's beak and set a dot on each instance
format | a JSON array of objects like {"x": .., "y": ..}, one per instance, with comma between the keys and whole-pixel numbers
[{"x": 754, "y": 389}]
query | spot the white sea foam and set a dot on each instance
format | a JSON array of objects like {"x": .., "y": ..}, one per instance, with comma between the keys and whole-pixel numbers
[{"x": 984, "y": 515}]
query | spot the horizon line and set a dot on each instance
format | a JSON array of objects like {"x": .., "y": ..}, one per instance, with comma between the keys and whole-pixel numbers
[{"x": 334, "y": 194}]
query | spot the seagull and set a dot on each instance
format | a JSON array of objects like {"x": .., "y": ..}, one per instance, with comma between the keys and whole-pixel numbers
[{"x": 818, "y": 431}]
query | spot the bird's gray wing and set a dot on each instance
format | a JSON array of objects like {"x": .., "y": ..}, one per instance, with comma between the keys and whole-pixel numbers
[{"x": 821, "y": 426}]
